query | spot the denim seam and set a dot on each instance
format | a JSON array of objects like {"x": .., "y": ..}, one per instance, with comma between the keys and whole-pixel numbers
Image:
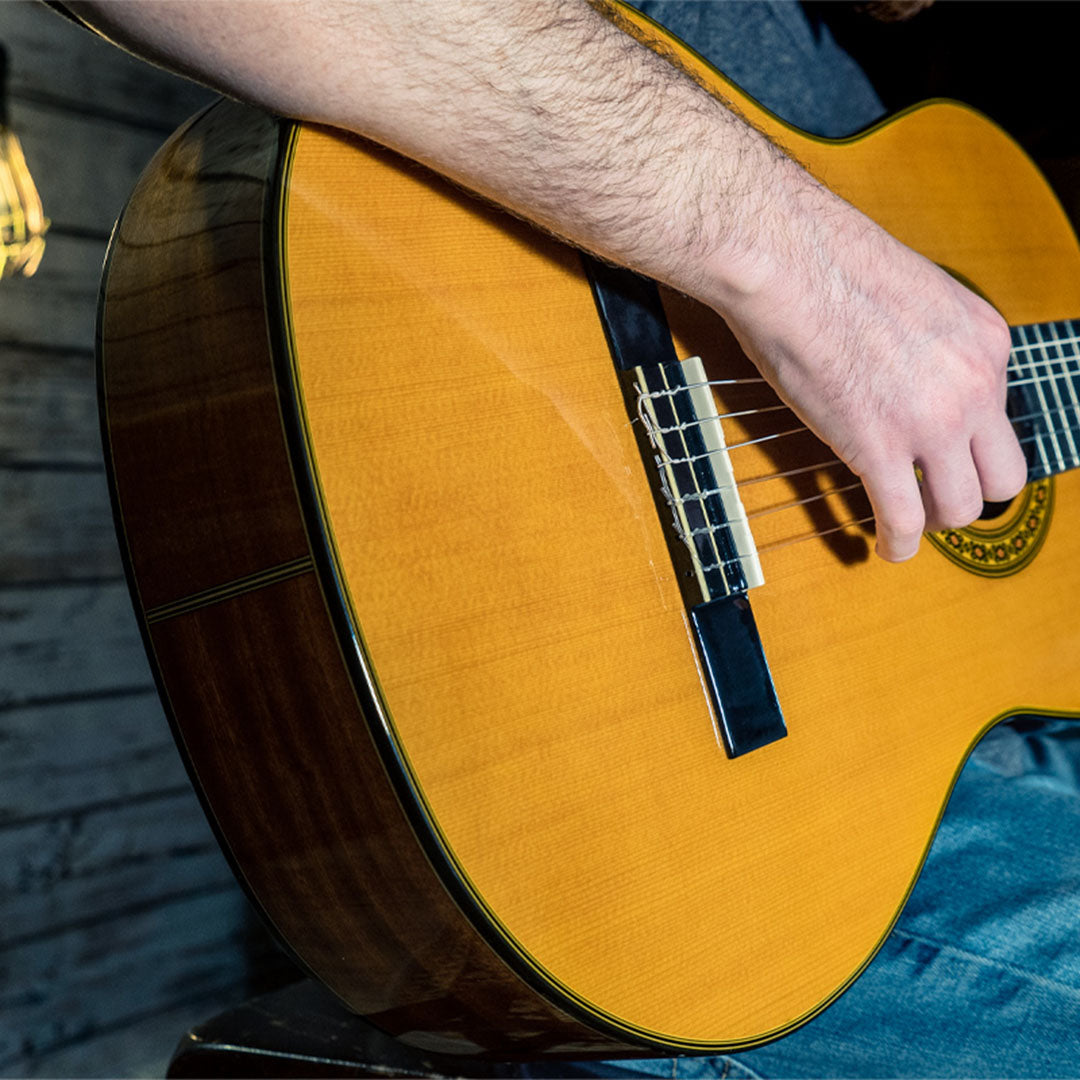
[{"x": 1002, "y": 965}]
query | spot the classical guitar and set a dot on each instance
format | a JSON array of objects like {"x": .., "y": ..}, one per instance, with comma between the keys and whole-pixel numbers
[{"x": 531, "y": 660}]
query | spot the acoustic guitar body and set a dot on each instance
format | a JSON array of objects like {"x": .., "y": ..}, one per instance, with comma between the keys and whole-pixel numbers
[{"x": 418, "y": 624}]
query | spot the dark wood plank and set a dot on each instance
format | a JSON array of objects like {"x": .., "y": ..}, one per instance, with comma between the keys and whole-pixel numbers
[
  {"x": 57, "y": 526},
  {"x": 65, "y": 641},
  {"x": 136, "y": 1049},
  {"x": 56, "y": 62},
  {"x": 88, "y": 198},
  {"x": 58, "y": 306},
  {"x": 77, "y": 869},
  {"x": 59, "y": 758},
  {"x": 137, "y": 965},
  {"x": 48, "y": 407}
]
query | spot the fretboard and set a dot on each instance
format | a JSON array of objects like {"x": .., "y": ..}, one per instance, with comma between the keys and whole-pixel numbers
[{"x": 1044, "y": 395}]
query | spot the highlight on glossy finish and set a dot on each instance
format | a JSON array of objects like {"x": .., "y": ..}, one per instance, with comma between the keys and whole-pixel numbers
[{"x": 419, "y": 617}]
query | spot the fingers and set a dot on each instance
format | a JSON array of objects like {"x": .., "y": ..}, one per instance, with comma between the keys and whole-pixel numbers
[
  {"x": 951, "y": 490},
  {"x": 898, "y": 511},
  {"x": 991, "y": 468},
  {"x": 999, "y": 460}
]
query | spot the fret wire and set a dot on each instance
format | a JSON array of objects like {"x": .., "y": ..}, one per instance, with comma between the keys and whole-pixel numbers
[
  {"x": 1050, "y": 383},
  {"x": 1027, "y": 347},
  {"x": 1042, "y": 404},
  {"x": 1037, "y": 379},
  {"x": 1071, "y": 386},
  {"x": 1071, "y": 336},
  {"x": 1033, "y": 438},
  {"x": 1062, "y": 338},
  {"x": 1072, "y": 339},
  {"x": 1055, "y": 390},
  {"x": 1034, "y": 364}
]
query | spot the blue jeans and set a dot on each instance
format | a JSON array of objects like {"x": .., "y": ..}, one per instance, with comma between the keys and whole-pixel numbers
[{"x": 981, "y": 976}]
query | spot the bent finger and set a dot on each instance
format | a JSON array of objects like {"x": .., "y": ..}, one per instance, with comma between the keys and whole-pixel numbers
[
  {"x": 951, "y": 491},
  {"x": 898, "y": 510},
  {"x": 999, "y": 459}
]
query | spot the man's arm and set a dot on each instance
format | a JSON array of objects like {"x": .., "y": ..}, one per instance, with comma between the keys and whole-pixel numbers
[{"x": 551, "y": 111}]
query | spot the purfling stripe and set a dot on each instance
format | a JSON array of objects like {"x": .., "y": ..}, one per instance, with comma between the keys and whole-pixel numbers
[{"x": 226, "y": 591}]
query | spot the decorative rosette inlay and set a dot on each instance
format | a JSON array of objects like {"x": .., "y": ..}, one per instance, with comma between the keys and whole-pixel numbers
[{"x": 1007, "y": 543}]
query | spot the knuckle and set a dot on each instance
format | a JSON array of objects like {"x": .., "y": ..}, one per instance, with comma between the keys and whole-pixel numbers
[
  {"x": 1018, "y": 478},
  {"x": 905, "y": 521},
  {"x": 1009, "y": 480},
  {"x": 995, "y": 337},
  {"x": 962, "y": 511},
  {"x": 985, "y": 383},
  {"x": 948, "y": 420},
  {"x": 1001, "y": 344}
]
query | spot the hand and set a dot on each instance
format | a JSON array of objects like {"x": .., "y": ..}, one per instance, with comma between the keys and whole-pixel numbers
[{"x": 886, "y": 358}]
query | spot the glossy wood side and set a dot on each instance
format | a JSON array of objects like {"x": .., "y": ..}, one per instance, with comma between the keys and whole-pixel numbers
[
  {"x": 264, "y": 704},
  {"x": 512, "y": 586},
  {"x": 188, "y": 370},
  {"x": 271, "y": 720}
]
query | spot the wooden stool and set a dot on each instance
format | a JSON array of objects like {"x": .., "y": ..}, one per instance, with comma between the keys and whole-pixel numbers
[{"x": 304, "y": 1031}]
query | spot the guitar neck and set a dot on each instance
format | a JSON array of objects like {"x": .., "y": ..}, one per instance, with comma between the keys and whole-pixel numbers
[{"x": 1044, "y": 395}]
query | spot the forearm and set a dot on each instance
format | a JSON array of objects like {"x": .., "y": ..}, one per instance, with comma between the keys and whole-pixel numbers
[{"x": 546, "y": 108}]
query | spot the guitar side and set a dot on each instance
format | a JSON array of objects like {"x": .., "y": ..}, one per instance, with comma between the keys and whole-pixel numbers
[{"x": 443, "y": 665}]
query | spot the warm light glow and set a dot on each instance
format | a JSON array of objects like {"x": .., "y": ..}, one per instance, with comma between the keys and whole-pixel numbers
[{"x": 22, "y": 222}]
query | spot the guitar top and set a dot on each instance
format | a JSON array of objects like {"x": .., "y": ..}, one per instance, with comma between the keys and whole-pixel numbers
[{"x": 430, "y": 589}]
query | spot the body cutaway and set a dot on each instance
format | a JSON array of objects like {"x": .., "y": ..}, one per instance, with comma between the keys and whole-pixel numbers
[{"x": 416, "y": 619}]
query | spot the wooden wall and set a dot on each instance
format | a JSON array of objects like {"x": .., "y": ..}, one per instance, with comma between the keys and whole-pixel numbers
[{"x": 120, "y": 923}]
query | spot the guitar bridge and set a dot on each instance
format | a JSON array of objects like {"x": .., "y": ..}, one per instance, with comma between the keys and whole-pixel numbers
[
  {"x": 680, "y": 428},
  {"x": 676, "y": 406}
]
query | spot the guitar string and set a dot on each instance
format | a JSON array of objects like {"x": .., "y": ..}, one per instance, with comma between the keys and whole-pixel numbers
[
  {"x": 1023, "y": 380},
  {"x": 701, "y": 495},
  {"x": 786, "y": 506},
  {"x": 667, "y": 460},
  {"x": 722, "y": 564},
  {"x": 793, "y": 504},
  {"x": 777, "y": 544},
  {"x": 1059, "y": 366},
  {"x": 1063, "y": 409},
  {"x": 1014, "y": 420}
]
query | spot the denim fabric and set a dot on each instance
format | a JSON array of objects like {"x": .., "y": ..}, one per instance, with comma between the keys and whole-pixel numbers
[{"x": 981, "y": 976}]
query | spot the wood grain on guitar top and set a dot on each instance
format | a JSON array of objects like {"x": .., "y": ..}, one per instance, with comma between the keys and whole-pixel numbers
[{"x": 523, "y": 634}]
